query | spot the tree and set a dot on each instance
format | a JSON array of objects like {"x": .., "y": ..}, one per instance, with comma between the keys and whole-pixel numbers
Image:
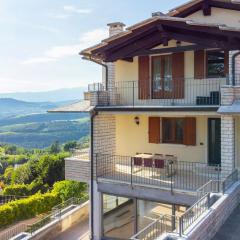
[
  {"x": 8, "y": 174},
  {"x": 67, "y": 189},
  {"x": 69, "y": 146},
  {"x": 11, "y": 149},
  {"x": 51, "y": 168},
  {"x": 55, "y": 148}
]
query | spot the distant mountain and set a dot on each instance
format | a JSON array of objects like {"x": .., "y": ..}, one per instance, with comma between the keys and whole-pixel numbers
[
  {"x": 11, "y": 107},
  {"x": 64, "y": 94},
  {"x": 29, "y": 125}
]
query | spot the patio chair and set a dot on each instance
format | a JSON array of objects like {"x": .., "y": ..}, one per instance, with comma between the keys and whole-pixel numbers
[
  {"x": 159, "y": 163},
  {"x": 159, "y": 166},
  {"x": 137, "y": 164},
  {"x": 148, "y": 162}
]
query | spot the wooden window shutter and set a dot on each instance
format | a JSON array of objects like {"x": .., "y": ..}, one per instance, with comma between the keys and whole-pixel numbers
[
  {"x": 178, "y": 74},
  {"x": 199, "y": 64},
  {"x": 226, "y": 63},
  {"x": 143, "y": 77},
  {"x": 189, "y": 133},
  {"x": 154, "y": 129}
]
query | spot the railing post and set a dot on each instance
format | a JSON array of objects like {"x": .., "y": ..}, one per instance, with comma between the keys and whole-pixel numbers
[
  {"x": 133, "y": 93},
  {"x": 180, "y": 226},
  {"x": 171, "y": 174},
  {"x": 218, "y": 185},
  {"x": 223, "y": 187},
  {"x": 131, "y": 172},
  {"x": 208, "y": 201},
  {"x": 96, "y": 164}
]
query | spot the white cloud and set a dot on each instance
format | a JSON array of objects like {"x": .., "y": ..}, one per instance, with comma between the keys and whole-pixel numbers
[
  {"x": 59, "y": 52},
  {"x": 73, "y": 9}
]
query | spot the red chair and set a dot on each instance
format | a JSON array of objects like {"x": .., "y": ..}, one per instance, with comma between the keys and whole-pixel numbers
[
  {"x": 137, "y": 161},
  {"x": 148, "y": 162},
  {"x": 159, "y": 163}
]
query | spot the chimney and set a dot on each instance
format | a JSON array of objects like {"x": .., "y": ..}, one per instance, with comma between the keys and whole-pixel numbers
[
  {"x": 155, "y": 14},
  {"x": 115, "y": 28}
]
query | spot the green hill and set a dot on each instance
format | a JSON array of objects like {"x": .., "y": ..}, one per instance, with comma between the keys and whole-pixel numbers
[{"x": 40, "y": 129}]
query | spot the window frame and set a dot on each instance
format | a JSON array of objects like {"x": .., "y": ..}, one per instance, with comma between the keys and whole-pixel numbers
[
  {"x": 206, "y": 64},
  {"x": 174, "y": 139}
]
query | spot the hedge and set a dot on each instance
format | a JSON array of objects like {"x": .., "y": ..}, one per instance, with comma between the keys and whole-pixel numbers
[
  {"x": 17, "y": 190},
  {"x": 27, "y": 208},
  {"x": 25, "y": 189}
]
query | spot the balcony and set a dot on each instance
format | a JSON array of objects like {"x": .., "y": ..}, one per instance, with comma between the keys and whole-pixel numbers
[
  {"x": 190, "y": 93},
  {"x": 159, "y": 173},
  {"x": 77, "y": 167}
]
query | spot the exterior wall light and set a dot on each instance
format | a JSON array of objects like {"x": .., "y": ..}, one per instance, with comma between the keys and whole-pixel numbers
[{"x": 137, "y": 121}]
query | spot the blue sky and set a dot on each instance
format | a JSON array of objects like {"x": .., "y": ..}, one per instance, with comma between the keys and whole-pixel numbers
[{"x": 40, "y": 39}]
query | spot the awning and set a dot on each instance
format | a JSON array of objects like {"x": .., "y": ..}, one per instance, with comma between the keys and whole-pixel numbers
[
  {"x": 78, "y": 107},
  {"x": 231, "y": 109}
]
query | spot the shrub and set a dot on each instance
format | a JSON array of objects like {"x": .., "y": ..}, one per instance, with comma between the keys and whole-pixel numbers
[
  {"x": 67, "y": 189},
  {"x": 17, "y": 190},
  {"x": 27, "y": 208}
]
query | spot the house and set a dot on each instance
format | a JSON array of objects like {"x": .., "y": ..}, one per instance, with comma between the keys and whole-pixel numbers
[{"x": 165, "y": 125}]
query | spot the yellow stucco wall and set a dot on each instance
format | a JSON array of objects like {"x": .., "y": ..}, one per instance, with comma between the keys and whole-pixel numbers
[
  {"x": 128, "y": 71},
  {"x": 218, "y": 15},
  {"x": 132, "y": 138}
]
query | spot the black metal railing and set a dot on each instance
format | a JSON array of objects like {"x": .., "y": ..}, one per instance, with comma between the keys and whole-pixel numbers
[
  {"x": 194, "y": 213},
  {"x": 163, "y": 174},
  {"x": 13, "y": 231},
  {"x": 165, "y": 224},
  {"x": 185, "y": 92}
]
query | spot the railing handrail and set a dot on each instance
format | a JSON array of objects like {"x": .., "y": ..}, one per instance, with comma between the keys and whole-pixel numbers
[
  {"x": 13, "y": 231},
  {"x": 149, "y": 226},
  {"x": 53, "y": 215},
  {"x": 181, "y": 219},
  {"x": 189, "y": 91},
  {"x": 197, "y": 163}
]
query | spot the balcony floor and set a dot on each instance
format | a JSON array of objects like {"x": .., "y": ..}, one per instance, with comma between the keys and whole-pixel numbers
[{"x": 197, "y": 108}]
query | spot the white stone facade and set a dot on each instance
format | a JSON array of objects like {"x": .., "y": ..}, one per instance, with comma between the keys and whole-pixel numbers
[
  {"x": 104, "y": 135},
  {"x": 227, "y": 143}
]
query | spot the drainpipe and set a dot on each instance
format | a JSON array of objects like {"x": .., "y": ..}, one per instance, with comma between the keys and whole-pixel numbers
[
  {"x": 234, "y": 67},
  {"x": 100, "y": 63},
  {"x": 93, "y": 114}
]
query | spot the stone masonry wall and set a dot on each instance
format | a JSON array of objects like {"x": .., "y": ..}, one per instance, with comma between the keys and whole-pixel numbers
[
  {"x": 218, "y": 214},
  {"x": 227, "y": 144},
  {"x": 104, "y": 136}
]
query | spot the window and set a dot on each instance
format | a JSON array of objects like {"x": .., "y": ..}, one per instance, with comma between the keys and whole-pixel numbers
[
  {"x": 162, "y": 73},
  {"x": 215, "y": 64},
  {"x": 172, "y": 129}
]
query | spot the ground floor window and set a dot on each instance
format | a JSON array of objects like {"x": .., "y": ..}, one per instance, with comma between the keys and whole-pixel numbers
[
  {"x": 173, "y": 130},
  {"x": 124, "y": 217}
]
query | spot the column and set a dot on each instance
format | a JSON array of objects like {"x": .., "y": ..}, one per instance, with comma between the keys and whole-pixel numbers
[{"x": 227, "y": 144}]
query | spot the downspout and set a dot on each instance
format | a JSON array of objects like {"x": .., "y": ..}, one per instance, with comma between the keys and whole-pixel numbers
[
  {"x": 234, "y": 67},
  {"x": 93, "y": 114},
  {"x": 100, "y": 63}
]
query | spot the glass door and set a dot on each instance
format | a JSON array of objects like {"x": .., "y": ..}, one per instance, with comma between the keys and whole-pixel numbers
[
  {"x": 162, "y": 84},
  {"x": 118, "y": 217},
  {"x": 214, "y": 141}
]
